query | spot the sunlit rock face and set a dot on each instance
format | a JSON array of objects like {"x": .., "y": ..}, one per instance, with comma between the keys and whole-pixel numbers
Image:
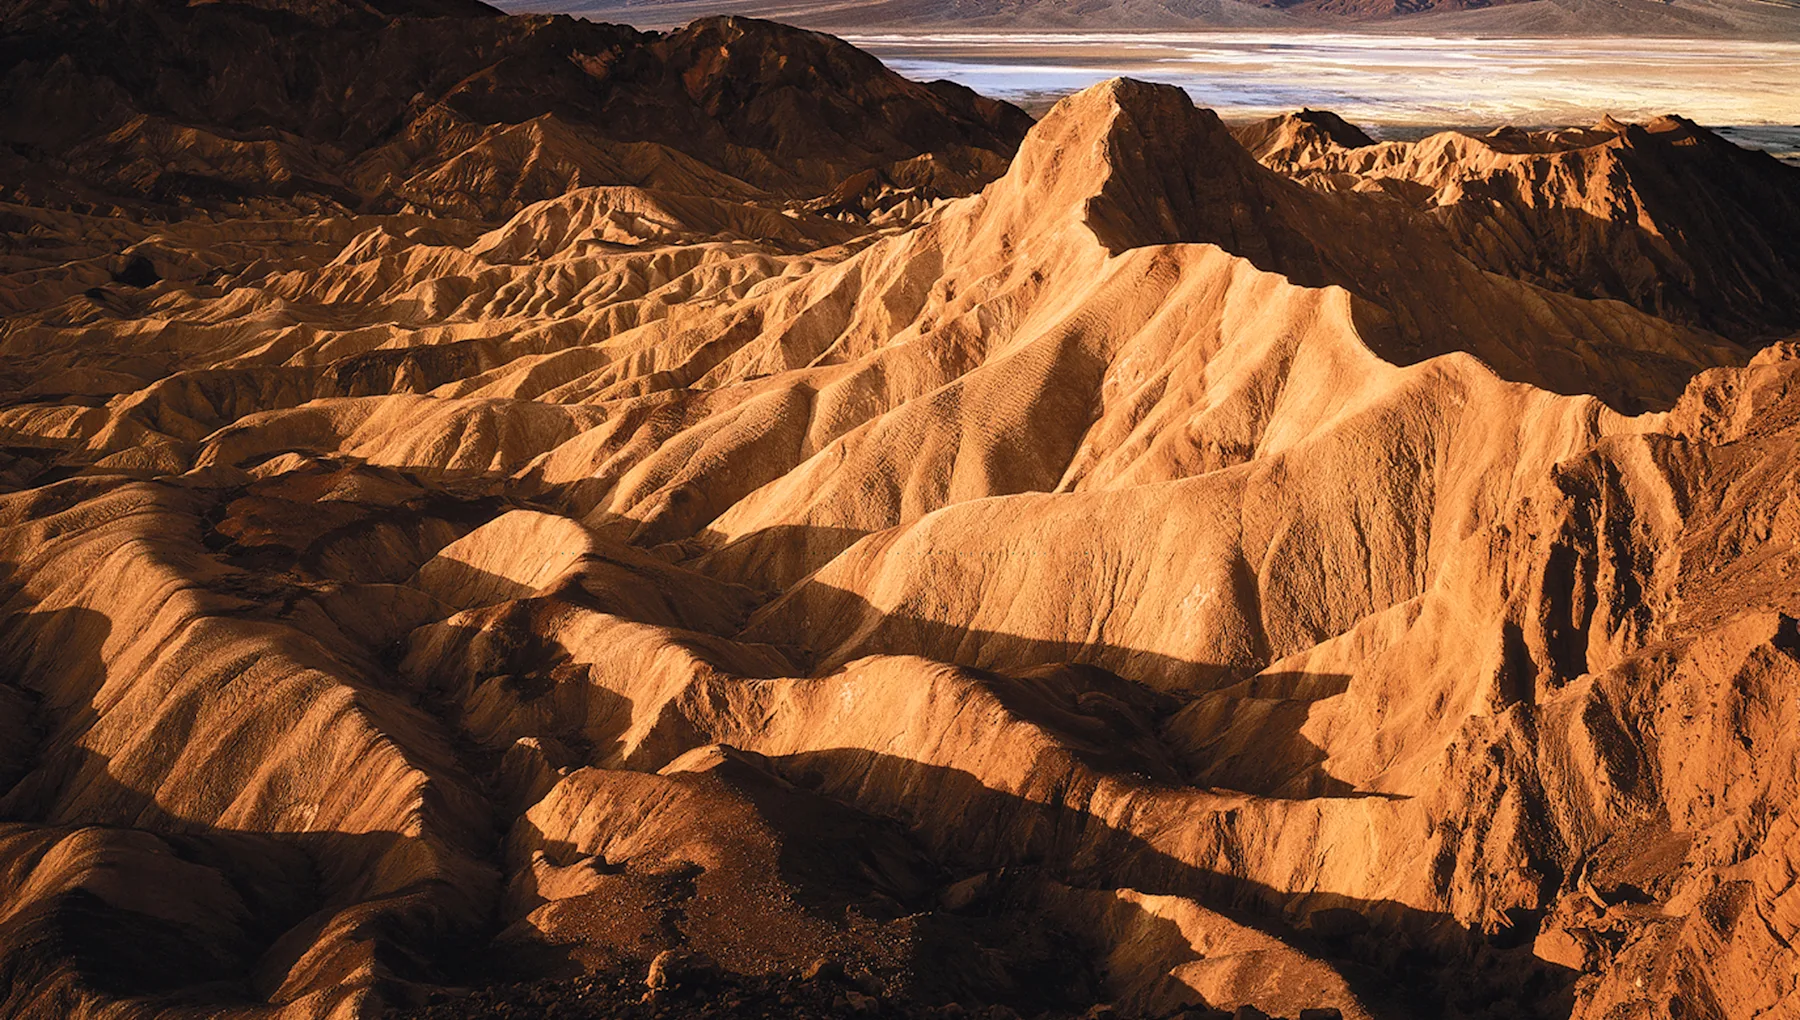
[{"x": 886, "y": 557}]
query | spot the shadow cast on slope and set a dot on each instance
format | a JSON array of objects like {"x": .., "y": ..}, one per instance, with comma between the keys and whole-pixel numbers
[
  {"x": 188, "y": 947},
  {"x": 56, "y": 794},
  {"x": 181, "y": 912},
  {"x": 1176, "y": 175},
  {"x": 1401, "y": 961},
  {"x": 873, "y": 894},
  {"x": 1123, "y": 708},
  {"x": 283, "y": 878},
  {"x": 1016, "y": 955}
]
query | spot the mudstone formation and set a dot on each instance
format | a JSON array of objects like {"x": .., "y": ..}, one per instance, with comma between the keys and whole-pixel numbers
[{"x": 493, "y": 503}]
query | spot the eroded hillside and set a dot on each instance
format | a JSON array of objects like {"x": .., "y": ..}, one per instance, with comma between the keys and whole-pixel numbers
[{"x": 1152, "y": 578}]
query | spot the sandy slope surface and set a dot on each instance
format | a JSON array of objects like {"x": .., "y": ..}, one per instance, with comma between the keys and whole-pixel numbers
[{"x": 1190, "y": 571}]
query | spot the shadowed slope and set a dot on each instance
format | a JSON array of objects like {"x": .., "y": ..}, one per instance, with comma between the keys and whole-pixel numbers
[
  {"x": 448, "y": 107},
  {"x": 1149, "y": 580},
  {"x": 1665, "y": 215}
]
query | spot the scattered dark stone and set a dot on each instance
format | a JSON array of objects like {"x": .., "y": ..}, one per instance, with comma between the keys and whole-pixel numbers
[
  {"x": 1324, "y": 1013},
  {"x": 1248, "y": 1012},
  {"x": 823, "y": 969}
]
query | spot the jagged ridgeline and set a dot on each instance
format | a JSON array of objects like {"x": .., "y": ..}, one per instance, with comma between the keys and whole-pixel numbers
[
  {"x": 519, "y": 517},
  {"x": 445, "y": 106}
]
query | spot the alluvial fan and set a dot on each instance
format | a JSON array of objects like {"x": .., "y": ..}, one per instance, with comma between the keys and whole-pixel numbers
[{"x": 508, "y": 516}]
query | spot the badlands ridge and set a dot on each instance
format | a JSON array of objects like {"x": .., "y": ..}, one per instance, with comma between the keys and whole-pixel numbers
[{"x": 488, "y": 500}]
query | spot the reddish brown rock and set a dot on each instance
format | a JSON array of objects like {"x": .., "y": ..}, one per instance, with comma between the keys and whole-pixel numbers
[{"x": 1151, "y": 580}]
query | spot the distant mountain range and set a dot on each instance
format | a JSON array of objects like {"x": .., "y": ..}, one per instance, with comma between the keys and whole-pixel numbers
[
  {"x": 446, "y": 106},
  {"x": 1772, "y": 19}
]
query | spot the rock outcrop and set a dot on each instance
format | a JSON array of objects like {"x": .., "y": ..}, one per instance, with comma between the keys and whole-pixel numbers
[
  {"x": 1666, "y": 216},
  {"x": 327, "y": 106},
  {"x": 1152, "y": 582}
]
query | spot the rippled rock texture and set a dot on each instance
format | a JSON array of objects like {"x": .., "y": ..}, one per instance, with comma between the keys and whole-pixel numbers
[{"x": 1150, "y": 579}]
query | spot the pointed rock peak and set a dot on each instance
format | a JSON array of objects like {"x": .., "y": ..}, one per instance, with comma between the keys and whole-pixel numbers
[
  {"x": 1673, "y": 129},
  {"x": 1297, "y": 138},
  {"x": 1612, "y": 124},
  {"x": 724, "y": 29},
  {"x": 727, "y": 50},
  {"x": 1672, "y": 122},
  {"x": 1666, "y": 129},
  {"x": 1138, "y": 163},
  {"x": 1125, "y": 110},
  {"x": 1334, "y": 127}
]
